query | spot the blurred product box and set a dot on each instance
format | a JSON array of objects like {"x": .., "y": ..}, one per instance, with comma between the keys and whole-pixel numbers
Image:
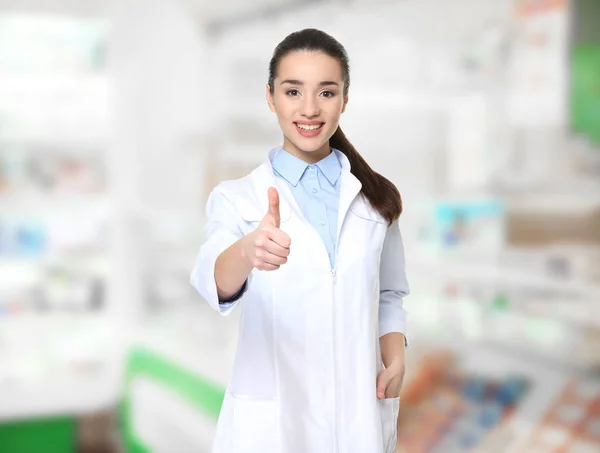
[
  {"x": 448, "y": 408},
  {"x": 560, "y": 261},
  {"x": 546, "y": 225},
  {"x": 572, "y": 421},
  {"x": 469, "y": 224}
]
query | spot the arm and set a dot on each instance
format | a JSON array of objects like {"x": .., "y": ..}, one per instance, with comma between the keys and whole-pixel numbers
[
  {"x": 392, "y": 348},
  {"x": 392, "y": 315},
  {"x": 393, "y": 285},
  {"x": 231, "y": 272},
  {"x": 220, "y": 272},
  {"x": 223, "y": 270}
]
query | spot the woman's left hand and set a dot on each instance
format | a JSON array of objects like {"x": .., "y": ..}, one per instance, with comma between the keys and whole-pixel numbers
[{"x": 389, "y": 381}]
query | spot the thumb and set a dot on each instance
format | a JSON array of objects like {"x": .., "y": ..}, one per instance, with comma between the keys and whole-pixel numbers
[
  {"x": 274, "y": 205},
  {"x": 383, "y": 380}
]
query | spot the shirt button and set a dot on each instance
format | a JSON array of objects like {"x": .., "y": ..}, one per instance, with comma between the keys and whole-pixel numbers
[
  {"x": 311, "y": 169},
  {"x": 322, "y": 223},
  {"x": 314, "y": 190}
]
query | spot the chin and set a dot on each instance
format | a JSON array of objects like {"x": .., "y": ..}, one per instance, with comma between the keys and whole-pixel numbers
[
  {"x": 310, "y": 149},
  {"x": 306, "y": 145},
  {"x": 310, "y": 145}
]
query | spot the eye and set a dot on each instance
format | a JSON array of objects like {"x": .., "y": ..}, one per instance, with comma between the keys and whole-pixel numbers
[
  {"x": 328, "y": 94},
  {"x": 292, "y": 92}
]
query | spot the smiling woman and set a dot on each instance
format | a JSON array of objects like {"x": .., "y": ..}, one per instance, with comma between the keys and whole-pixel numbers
[
  {"x": 309, "y": 82},
  {"x": 306, "y": 103},
  {"x": 320, "y": 357}
]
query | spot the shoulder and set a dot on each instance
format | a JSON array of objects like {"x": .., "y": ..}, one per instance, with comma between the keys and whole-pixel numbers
[
  {"x": 245, "y": 195},
  {"x": 234, "y": 188},
  {"x": 363, "y": 208}
]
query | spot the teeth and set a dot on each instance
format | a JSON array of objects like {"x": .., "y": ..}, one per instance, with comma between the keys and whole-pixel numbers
[{"x": 306, "y": 127}]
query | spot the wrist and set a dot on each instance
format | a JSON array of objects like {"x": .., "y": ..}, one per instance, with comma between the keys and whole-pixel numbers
[
  {"x": 392, "y": 349},
  {"x": 244, "y": 242},
  {"x": 396, "y": 362}
]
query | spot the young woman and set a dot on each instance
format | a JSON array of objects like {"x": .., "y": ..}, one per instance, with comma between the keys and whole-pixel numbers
[{"x": 308, "y": 245}]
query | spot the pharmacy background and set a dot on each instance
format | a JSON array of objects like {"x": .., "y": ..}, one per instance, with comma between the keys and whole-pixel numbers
[{"x": 117, "y": 118}]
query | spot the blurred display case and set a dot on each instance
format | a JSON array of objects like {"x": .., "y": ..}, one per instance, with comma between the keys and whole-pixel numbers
[
  {"x": 468, "y": 398},
  {"x": 59, "y": 353},
  {"x": 492, "y": 285},
  {"x": 177, "y": 372}
]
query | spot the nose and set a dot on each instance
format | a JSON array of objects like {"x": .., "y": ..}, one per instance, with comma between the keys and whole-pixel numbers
[{"x": 310, "y": 107}]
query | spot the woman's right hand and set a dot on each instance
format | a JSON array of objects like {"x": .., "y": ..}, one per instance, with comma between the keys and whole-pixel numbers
[{"x": 267, "y": 247}]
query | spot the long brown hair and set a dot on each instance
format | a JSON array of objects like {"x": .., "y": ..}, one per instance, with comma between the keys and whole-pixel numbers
[{"x": 378, "y": 190}]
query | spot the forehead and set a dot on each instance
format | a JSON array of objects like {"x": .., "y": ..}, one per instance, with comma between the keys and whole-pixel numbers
[{"x": 309, "y": 66}]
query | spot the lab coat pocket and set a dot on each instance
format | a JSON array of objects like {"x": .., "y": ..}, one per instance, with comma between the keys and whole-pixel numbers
[
  {"x": 254, "y": 425},
  {"x": 388, "y": 409},
  {"x": 253, "y": 215},
  {"x": 250, "y": 215}
]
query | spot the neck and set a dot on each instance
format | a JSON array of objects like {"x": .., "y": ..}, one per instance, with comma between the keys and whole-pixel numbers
[{"x": 310, "y": 157}]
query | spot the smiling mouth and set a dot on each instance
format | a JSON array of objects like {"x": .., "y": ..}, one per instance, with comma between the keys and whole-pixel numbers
[{"x": 309, "y": 127}]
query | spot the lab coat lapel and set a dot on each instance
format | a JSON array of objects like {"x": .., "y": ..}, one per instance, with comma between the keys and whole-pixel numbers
[{"x": 350, "y": 187}]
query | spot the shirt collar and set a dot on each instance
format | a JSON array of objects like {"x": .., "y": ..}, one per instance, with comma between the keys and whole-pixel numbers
[
  {"x": 291, "y": 168},
  {"x": 331, "y": 167}
]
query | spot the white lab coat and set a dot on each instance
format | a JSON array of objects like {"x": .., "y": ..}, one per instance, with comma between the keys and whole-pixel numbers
[{"x": 304, "y": 378}]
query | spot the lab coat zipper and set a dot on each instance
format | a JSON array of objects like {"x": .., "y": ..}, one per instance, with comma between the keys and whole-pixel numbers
[
  {"x": 336, "y": 386},
  {"x": 335, "y": 370},
  {"x": 332, "y": 270}
]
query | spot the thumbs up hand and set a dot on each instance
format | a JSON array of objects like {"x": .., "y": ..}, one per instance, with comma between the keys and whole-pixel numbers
[
  {"x": 267, "y": 247},
  {"x": 273, "y": 217}
]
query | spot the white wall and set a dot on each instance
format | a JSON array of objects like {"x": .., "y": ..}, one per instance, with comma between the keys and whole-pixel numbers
[{"x": 158, "y": 73}]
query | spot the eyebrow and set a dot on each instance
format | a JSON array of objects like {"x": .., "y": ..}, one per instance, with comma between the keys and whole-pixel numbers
[{"x": 300, "y": 82}]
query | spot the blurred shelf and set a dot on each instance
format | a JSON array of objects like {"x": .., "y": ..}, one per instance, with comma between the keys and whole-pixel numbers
[
  {"x": 444, "y": 267},
  {"x": 58, "y": 396},
  {"x": 583, "y": 197},
  {"x": 85, "y": 387},
  {"x": 95, "y": 260},
  {"x": 188, "y": 335},
  {"x": 535, "y": 354},
  {"x": 33, "y": 200},
  {"x": 92, "y": 146},
  {"x": 575, "y": 315},
  {"x": 546, "y": 380},
  {"x": 71, "y": 366},
  {"x": 24, "y": 273},
  {"x": 578, "y": 313}
]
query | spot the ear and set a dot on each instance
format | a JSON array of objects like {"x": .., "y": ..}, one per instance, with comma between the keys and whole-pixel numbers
[
  {"x": 345, "y": 103},
  {"x": 269, "y": 98}
]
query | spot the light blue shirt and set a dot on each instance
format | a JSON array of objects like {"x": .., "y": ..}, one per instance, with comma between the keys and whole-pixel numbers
[{"x": 316, "y": 189}]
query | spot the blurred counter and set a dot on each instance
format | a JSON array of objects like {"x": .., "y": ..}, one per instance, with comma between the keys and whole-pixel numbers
[{"x": 176, "y": 375}]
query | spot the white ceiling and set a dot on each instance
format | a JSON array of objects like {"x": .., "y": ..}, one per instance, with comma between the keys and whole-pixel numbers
[
  {"x": 86, "y": 7},
  {"x": 211, "y": 10},
  {"x": 205, "y": 10}
]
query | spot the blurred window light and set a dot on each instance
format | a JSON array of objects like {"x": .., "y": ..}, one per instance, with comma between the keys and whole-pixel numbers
[
  {"x": 42, "y": 43},
  {"x": 53, "y": 79}
]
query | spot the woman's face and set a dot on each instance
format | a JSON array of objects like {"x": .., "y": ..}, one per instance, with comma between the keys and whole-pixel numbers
[{"x": 308, "y": 98}]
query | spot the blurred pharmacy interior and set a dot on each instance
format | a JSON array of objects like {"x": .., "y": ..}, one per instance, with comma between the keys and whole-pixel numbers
[{"x": 117, "y": 119}]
